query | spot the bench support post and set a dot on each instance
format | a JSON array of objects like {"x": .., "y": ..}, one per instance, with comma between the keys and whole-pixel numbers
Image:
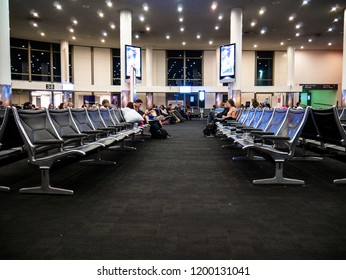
[
  {"x": 45, "y": 187},
  {"x": 4, "y": 189},
  {"x": 279, "y": 179}
]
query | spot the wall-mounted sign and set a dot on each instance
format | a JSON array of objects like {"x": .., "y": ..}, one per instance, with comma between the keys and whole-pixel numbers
[
  {"x": 49, "y": 86},
  {"x": 319, "y": 86}
]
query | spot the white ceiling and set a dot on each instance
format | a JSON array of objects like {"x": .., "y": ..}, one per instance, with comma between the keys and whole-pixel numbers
[{"x": 316, "y": 17}]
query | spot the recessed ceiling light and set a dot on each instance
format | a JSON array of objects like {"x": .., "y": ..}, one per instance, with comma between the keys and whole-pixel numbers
[
  {"x": 184, "y": 43},
  {"x": 74, "y": 21},
  {"x": 34, "y": 24},
  {"x": 255, "y": 46},
  {"x": 310, "y": 40},
  {"x": 85, "y": 6},
  {"x": 198, "y": 36},
  {"x": 112, "y": 25},
  {"x": 57, "y": 5},
  {"x": 109, "y": 3},
  {"x": 141, "y": 17},
  {"x": 180, "y": 8},
  {"x": 168, "y": 36},
  {"x": 182, "y": 29},
  {"x": 305, "y": 2},
  {"x": 147, "y": 28},
  {"x": 214, "y": 6},
  {"x": 211, "y": 42},
  {"x": 330, "y": 29},
  {"x": 298, "y": 26},
  {"x": 264, "y": 30},
  {"x": 71, "y": 30},
  {"x": 73, "y": 38},
  {"x": 336, "y": 20},
  {"x": 262, "y": 11},
  {"x": 100, "y": 13},
  {"x": 282, "y": 43},
  {"x": 42, "y": 34},
  {"x": 220, "y": 16},
  {"x": 181, "y": 19},
  {"x": 333, "y": 9},
  {"x": 34, "y": 13},
  {"x": 253, "y": 22},
  {"x": 103, "y": 40},
  {"x": 145, "y": 7},
  {"x": 292, "y": 17},
  {"x": 104, "y": 33},
  {"x": 217, "y": 27},
  {"x": 329, "y": 44},
  {"x": 302, "y": 47},
  {"x": 297, "y": 34},
  {"x": 137, "y": 36}
]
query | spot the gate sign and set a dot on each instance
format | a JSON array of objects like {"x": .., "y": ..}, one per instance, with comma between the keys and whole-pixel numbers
[
  {"x": 50, "y": 86},
  {"x": 320, "y": 86}
]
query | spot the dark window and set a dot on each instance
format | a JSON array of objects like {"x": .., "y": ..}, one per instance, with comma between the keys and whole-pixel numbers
[
  {"x": 40, "y": 65},
  {"x": 184, "y": 68},
  {"x": 264, "y": 68},
  {"x": 19, "y": 63},
  {"x": 116, "y": 67}
]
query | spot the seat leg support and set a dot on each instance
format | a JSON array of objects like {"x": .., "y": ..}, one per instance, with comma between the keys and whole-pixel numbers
[
  {"x": 45, "y": 187},
  {"x": 249, "y": 156},
  {"x": 340, "y": 181},
  {"x": 4, "y": 189},
  {"x": 98, "y": 160},
  {"x": 122, "y": 147},
  {"x": 279, "y": 179}
]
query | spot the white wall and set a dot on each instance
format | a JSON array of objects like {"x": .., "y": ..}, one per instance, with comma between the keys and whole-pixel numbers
[
  {"x": 82, "y": 65},
  {"x": 159, "y": 68},
  {"x": 280, "y": 68},
  {"x": 248, "y": 68},
  {"x": 210, "y": 70},
  {"x": 102, "y": 60}
]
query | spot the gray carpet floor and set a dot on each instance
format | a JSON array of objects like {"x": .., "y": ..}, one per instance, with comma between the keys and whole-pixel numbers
[{"x": 179, "y": 198}]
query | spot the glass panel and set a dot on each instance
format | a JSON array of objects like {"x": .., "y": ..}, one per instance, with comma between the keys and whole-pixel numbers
[
  {"x": 56, "y": 48},
  {"x": 40, "y": 63},
  {"x": 194, "y": 54},
  {"x": 19, "y": 77},
  {"x": 116, "y": 70},
  {"x": 19, "y": 61},
  {"x": 57, "y": 79},
  {"x": 264, "y": 66},
  {"x": 175, "y": 54},
  {"x": 175, "y": 69},
  {"x": 193, "y": 82},
  {"x": 116, "y": 52},
  {"x": 45, "y": 78},
  {"x": 40, "y": 45},
  {"x": 19, "y": 43},
  {"x": 193, "y": 69},
  {"x": 116, "y": 82},
  {"x": 56, "y": 64}
]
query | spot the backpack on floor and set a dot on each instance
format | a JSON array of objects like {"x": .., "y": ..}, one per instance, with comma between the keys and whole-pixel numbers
[
  {"x": 157, "y": 132},
  {"x": 210, "y": 129}
]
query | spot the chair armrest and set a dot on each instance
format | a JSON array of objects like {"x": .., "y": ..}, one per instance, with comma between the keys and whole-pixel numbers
[
  {"x": 48, "y": 142},
  {"x": 250, "y": 129},
  {"x": 275, "y": 138},
  {"x": 92, "y": 131},
  {"x": 71, "y": 136},
  {"x": 262, "y": 133}
]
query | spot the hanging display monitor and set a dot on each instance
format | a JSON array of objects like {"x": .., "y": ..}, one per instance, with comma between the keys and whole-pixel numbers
[
  {"x": 133, "y": 56},
  {"x": 227, "y": 63}
]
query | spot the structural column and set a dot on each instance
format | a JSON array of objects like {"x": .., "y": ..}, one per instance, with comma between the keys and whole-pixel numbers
[
  {"x": 343, "y": 90},
  {"x": 149, "y": 67},
  {"x": 5, "y": 54},
  {"x": 125, "y": 39},
  {"x": 64, "y": 61},
  {"x": 290, "y": 75},
  {"x": 237, "y": 38}
]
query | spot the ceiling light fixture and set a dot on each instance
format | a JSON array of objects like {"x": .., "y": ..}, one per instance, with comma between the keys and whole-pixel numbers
[
  {"x": 181, "y": 19},
  {"x": 333, "y": 9},
  {"x": 180, "y": 8},
  {"x": 253, "y": 23},
  {"x": 137, "y": 36},
  {"x": 34, "y": 13},
  {"x": 220, "y": 17},
  {"x": 292, "y": 17},
  {"x": 103, "y": 40},
  {"x": 297, "y": 34},
  {"x": 74, "y": 21},
  {"x": 302, "y": 47},
  {"x": 109, "y": 3},
  {"x": 73, "y": 38},
  {"x": 336, "y": 20},
  {"x": 42, "y": 34},
  {"x": 255, "y": 46},
  {"x": 182, "y": 29},
  {"x": 217, "y": 27},
  {"x": 147, "y": 28},
  {"x": 57, "y": 5},
  {"x": 262, "y": 11},
  {"x": 141, "y": 17},
  {"x": 214, "y": 5},
  {"x": 145, "y": 7},
  {"x": 184, "y": 43},
  {"x": 104, "y": 33},
  {"x": 330, "y": 29},
  {"x": 168, "y": 36},
  {"x": 34, "y": 24},
  {"x": 71, "y": 29},
  {"x": 305, "y": 2},
  {"x": 264, "y": 30},
  {"x": 198, "y": 36},
  {"x": 211, "y": 42},
  {"x": 329, "y": 44},
  {"x": 112, "y": 25},
  {"x": 100, "y": 13},
  {"x": 310, "y": 40},
  {"x": 282, "y": 43}
]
